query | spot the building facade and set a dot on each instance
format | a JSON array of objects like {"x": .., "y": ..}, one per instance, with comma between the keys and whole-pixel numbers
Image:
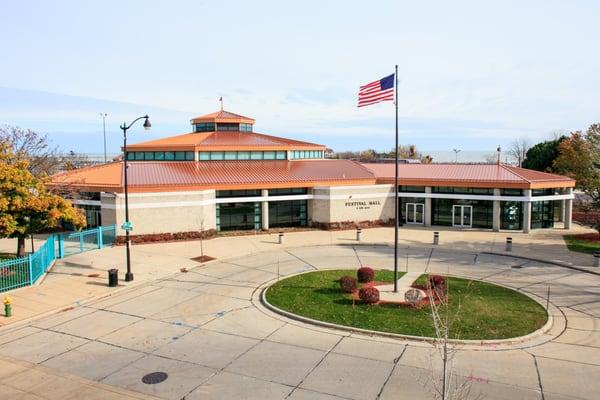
[{"x": 223, "y": 176}]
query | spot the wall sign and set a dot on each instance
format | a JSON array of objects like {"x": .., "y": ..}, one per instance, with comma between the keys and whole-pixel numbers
[{"x": 362, "y": 205}]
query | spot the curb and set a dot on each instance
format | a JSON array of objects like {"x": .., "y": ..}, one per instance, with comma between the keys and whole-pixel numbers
[
  {"x": 541, "y": 260},
  {"x": 519, "y": 339}
]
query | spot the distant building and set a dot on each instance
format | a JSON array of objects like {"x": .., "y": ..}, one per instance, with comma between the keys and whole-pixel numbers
[{"x": 224, "y": 176}]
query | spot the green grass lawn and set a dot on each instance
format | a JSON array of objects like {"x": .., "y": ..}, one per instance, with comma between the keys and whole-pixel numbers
[
  {"x": 574, "y": 243},
  {"x": 485, "y": 311}
]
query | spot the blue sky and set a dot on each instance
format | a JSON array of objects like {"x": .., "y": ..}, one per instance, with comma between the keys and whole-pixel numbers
[{"x": 473, "y": 74}]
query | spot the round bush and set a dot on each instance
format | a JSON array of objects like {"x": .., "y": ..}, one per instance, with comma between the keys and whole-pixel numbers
[
  {"x": 365, "y": 274},
  {"x": 348, "y": 284},
  {"x": 369, "y": 295}
]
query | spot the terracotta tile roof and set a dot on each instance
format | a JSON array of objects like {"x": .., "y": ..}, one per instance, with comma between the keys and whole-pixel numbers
[
  {"x": 224, "y": 140},
  {"x": 173, "y": 176},
  {"x": 223, "y": 116},
  {"x": 474, "y": 175}
]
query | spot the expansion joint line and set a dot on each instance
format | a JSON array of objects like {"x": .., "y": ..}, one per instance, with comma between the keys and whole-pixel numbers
[
  {"x": 357, "y": 257},
  {"x": 428, "y": 261},
  {"x": 315, "y": 367},
  {"x": 396, "y": 361},
  {"x": 300, "y": 259},
  {"x": 537, "y": 370}
]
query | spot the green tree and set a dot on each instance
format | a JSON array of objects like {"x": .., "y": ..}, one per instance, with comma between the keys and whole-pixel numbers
[
  {"x": 26, "y": 205},
  {"x": 541, "y": 156}
]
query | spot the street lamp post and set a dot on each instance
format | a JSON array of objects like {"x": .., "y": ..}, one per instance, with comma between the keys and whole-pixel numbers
[
  {"x": 127, "y": 224},
  {"x": 456, "y": 151},
  {"x": 103, "y": 115}
]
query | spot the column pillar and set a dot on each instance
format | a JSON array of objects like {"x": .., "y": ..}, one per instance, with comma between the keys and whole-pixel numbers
[
  {"x": 527, "y": 212},
  {"x": 562, "y": 203},
  {"x": 496, "y": 212},
  {"x": 265, "y": 210},
  {"x": 568, "y": 210},
  {"x": 427, "y": 210}
]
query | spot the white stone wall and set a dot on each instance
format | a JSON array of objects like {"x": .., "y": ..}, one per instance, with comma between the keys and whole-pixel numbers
[
  {"x": 353, "y": 204},
  {"x": 162, "y": 212}
]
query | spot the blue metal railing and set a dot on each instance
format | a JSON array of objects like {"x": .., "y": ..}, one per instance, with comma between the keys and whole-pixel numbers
[
  {"x": 90, "y": 239},
  {"x": 25, "y": 271}
]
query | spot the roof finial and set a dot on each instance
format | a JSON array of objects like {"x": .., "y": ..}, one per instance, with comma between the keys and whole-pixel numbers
[{"x": 221, "y": 100}]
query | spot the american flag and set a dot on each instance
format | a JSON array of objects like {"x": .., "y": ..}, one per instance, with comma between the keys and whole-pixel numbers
[{"x": 375, "y": 92}]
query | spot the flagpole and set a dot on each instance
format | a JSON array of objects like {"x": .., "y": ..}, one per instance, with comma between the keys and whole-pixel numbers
[{"x": 396, "y": 192}]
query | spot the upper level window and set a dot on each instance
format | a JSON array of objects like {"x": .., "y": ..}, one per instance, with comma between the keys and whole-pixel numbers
[
  {"x": 300, "y": 154},
  {"x": 511, "y": 192},
  {"x": 414, "y": 189},
  {"x": 542, "y": 192},
  {"x": 160, "y": 155},
  {"x": 227, "y": 126},
  {"x": 461, "y": 190},
  {"x": 246, "y": 127},
  {"x": 241, "y": 155},
  {"x": 205, "y": 127}
]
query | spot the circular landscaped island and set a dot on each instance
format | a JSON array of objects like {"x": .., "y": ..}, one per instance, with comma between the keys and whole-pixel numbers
[{"x": 480, "y": 310}]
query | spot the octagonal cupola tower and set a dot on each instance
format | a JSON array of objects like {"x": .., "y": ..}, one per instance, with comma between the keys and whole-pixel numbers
[{"x": 222, "y": 121}]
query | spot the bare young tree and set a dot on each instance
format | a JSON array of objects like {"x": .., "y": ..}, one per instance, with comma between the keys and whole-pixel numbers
[
  {"x": 491, "y": 158},
  {"x": 446, "y": 384},
  {"x": 32, "y": 147},
  {"x": 72, "y": 160},
  {"x": 518, "y": 149}
]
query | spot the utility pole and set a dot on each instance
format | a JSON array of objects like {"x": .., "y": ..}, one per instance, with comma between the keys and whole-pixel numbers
[
  {"x": 104, "y": 115},
  {"x": 456, "y": 151}
]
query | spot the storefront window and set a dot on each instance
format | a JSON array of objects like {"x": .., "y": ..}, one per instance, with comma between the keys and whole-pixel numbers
[
  {"x": 511, "y": 215},
  {"x": 238, "y": 216},
  {"x": 287, "y": 213},
  {"x": 481, "y": 212},
  {"x": 403, "y": 201},
  {"x": 542, "y": 214}
]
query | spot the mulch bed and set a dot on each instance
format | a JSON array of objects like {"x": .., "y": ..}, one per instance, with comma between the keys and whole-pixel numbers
[
  {"x": 588, "y": 237},
  {"x": 203, "y": 259},
  {"x": 426, "y": 301}
]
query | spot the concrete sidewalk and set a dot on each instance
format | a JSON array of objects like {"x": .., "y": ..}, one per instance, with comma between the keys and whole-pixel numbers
[
  {"x": 24, "y": 380},
  {"x": 83, "y": 277},
  {"x": 207, "y": 329}
]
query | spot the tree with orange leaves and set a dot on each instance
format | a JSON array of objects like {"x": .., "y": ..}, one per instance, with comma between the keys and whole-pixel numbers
[
  {"x": 26, "y": 205},
  {"x": 577, "y": 156}
]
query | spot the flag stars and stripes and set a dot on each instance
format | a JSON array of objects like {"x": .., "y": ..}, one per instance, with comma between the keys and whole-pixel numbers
[{"x": 377, "y": 91}]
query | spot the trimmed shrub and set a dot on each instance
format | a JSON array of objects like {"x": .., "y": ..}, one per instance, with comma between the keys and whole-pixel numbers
[
  {"x": 369, "y": 295},
  {"x": 348, "y": 284},
  {"x": 365, "y": 274},
  {"x": 437, "y": 281}
]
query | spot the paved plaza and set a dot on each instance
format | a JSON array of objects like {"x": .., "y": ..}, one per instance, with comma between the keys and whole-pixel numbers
[{"x": 208, "y": 330}]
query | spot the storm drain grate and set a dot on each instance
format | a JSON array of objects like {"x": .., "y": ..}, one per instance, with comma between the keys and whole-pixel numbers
[{"x": 154, "y": 377}]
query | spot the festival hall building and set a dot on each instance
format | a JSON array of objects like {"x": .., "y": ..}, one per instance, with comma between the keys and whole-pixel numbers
[{"x": 223, "y": 176}]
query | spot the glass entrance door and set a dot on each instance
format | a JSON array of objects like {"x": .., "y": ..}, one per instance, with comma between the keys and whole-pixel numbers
[
  {"x": 414, "y": 213},
  {"x": 462, "y": 216}
]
